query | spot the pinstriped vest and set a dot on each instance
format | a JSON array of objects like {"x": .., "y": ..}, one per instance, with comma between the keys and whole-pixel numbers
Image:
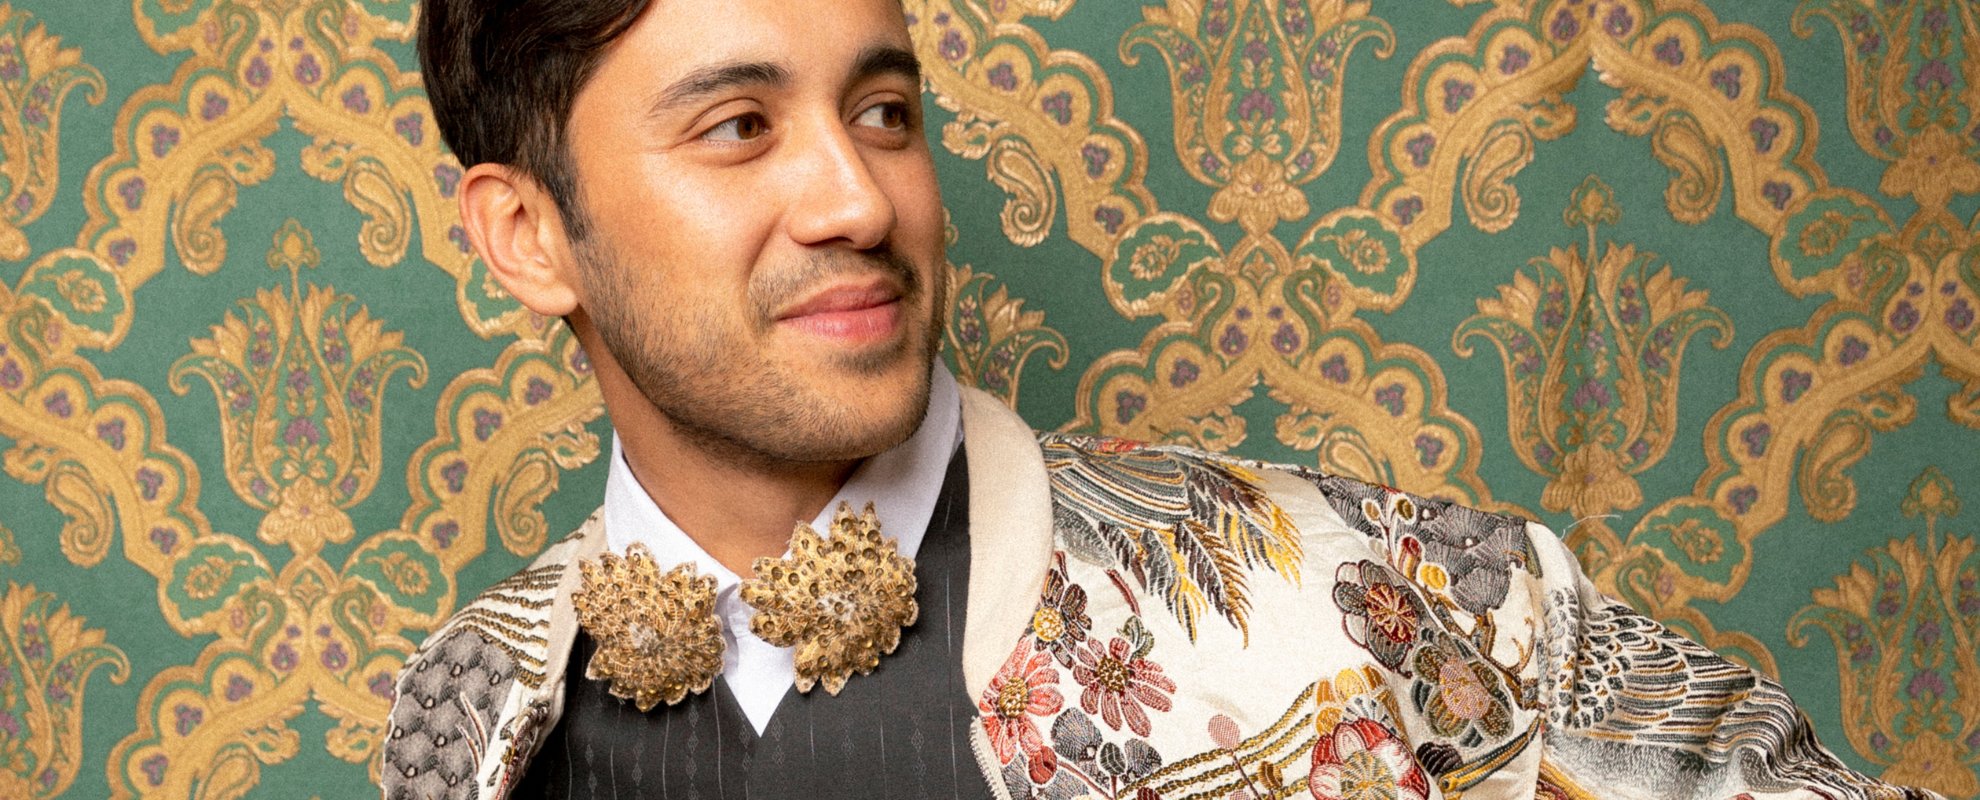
[{"x": 901, "y": 731}]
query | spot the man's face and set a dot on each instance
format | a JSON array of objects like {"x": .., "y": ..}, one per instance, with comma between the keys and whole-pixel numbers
[{"x": 764, "y": 254}]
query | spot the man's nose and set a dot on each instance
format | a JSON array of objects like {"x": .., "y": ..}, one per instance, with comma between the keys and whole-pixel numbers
[{"x": 837, "y": 197}]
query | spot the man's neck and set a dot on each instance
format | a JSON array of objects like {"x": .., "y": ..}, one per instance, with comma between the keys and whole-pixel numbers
[{"x": 735, "y": 511}]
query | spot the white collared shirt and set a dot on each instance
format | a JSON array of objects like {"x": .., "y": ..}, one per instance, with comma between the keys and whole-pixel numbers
[{"x": 902, "y": 484}]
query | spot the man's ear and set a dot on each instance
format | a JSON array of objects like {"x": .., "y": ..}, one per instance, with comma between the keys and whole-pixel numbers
[{"x": 517, "y": 228}]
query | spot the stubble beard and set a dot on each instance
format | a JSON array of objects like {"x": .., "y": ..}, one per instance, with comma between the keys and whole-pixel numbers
[{"x": 739, "y": 404}]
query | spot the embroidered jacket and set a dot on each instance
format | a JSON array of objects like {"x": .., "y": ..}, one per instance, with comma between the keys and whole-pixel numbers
[{"x": 1158, "y": 622}]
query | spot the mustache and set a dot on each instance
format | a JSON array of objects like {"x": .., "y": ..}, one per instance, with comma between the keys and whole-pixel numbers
[{"x": 773, "y": 291}]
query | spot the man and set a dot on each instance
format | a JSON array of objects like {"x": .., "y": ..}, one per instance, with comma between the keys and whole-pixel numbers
[{"x": 734, "y": 207}]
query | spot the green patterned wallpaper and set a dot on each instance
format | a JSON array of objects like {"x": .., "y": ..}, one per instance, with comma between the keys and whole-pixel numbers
[{"x": 1695, "y": 284}]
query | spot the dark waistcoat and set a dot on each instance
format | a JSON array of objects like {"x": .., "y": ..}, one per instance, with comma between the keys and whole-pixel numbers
[{"x": 901, "y": 731}]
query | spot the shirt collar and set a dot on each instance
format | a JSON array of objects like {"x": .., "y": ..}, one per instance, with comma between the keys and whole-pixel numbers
[{"x": 902, "y": 483}]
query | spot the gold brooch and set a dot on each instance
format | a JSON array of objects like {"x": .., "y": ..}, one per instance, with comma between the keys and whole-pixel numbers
[
  {"x": 841, "y": 601},
  {"x": 658, "y": 638}
]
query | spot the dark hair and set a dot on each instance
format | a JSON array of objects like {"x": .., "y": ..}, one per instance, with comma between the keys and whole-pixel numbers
[{"x": 502, "y": 75}]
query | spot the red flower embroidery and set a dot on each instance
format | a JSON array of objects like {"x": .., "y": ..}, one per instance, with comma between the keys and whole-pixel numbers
[
  {"x": 1390, "y": 611},
  {"x": 1383, "y": 611},
  {"x": 1365, "y": 760},
  {"x": 1022, "y": 690},
  {"x": 1118, "y": 683}
]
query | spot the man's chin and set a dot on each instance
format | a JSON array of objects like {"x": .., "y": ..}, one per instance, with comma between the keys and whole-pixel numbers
[
  {"x": 800, "y": 400},
  {"x": 851, "y": 359},
  {"x": 880, "y": 409},
  {"x": 817, "y": 413}
]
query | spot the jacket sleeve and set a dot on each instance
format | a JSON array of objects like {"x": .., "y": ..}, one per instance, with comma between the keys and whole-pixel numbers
[
  {"x": 1634, "y": 709},
  {"x": 443, "y": 719}
]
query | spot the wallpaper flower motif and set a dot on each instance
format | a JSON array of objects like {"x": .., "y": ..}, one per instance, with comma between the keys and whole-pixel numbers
[{"x": 1904, "y": 621}]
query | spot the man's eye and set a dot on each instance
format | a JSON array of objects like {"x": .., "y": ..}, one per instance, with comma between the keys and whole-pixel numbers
[
  {"x": 891, "y": 116},
  {"x": 739, "y": 128}
]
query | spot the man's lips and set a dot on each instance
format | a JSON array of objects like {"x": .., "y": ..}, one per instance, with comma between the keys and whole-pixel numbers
[
  {"x": 854, "y": 312},
  {"x": 842, "y": 298}
]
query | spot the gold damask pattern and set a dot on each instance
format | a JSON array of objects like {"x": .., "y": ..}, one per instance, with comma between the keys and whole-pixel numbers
[
  {"x": 1592, "y": 353},
  {"x": 1905, "y": 622},
  {"x": 49, "y": 657},
  {"x": 299, "y": 375},
  {"x": 1277, "y": 228}
]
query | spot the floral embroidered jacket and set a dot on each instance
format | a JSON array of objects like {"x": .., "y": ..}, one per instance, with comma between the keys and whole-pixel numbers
[{"x": 1157, "y": 622}]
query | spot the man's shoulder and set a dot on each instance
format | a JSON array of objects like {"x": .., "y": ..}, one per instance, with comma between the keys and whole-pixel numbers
[
  {"x": 454, "y": 696},
  {"x": 513, "y": 614},
  {"x": 1078, "y": 450},
  {"x": 1077, "y": 462},
  {"x": 1110, "y": 494}
]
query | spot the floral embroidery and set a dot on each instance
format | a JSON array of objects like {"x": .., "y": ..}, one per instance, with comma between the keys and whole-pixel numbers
[
  {"x": 1389, "y": 610},
  {"x": 1119, "y": 681},
  {"x": 1383, "y": 611},
  {"x": 1361, "y": 759},
  {"x": 1473, "y": 552},
  {"x": 1459, "y": 693},
  {"x": 1061, "y": 623},
  {"x": 657, "y": 635},
  {"x": 1479, "y": 551},
  {"x": 1079, "y": 743},
  {"x": 1023, "y": 690},
  {"x": 842, "y": 601}
]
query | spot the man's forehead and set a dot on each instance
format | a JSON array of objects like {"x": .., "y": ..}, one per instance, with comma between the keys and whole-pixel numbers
[{"x": 778, "y": 40}]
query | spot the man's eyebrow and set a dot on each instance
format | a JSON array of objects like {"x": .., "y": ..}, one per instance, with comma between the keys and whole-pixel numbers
[
  {"x": 887, "y": 60},
  {"x": 716, "y": 78}
]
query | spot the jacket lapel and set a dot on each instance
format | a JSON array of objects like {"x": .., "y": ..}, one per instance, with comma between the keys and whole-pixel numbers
[{"x": 1010, "y": 534}]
